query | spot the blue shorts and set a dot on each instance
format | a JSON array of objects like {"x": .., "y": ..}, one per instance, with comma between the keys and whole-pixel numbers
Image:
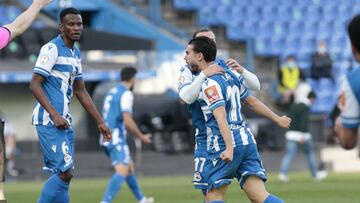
[
  {"x": 246, "y": 162},
  {"x": 200, "y": 176},
  {"x": 118, "y": 153},
  {"x": 57, "y": 146}
]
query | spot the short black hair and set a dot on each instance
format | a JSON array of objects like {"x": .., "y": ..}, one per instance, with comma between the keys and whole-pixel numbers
[
  {"x": 354, "y": 32},
  {"x": 311, "y": 95},
  {"x": 127, "y": 73},
  {"x": 68, "y": 11},
  {"x": 201, "y": 30},
  {"x": 206, "y": 46}
]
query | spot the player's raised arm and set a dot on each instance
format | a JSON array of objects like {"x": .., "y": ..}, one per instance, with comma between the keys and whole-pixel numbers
[
  {"x": 251, "y": 80},
  {"x": 88, "y": 104},
  {"x": 258, "y": 107},
  {"x": 24, "y": 20},
  {"x": 189, "y": 90}
]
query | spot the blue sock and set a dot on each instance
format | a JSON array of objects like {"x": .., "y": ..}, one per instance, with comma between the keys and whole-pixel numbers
[
  {"x": 113, "y": 187},
  {"x": 273, "y": 199},
  {"x": 216, "y": 202},
  {"x": 134, "y": 186},
  {"x": 204, "y": 192},
  {"x": 55, "y": 190}
]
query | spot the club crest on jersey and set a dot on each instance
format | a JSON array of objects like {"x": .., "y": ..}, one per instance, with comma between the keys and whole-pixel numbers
[
  {"x": 44, "y": 59},
  {"x": 212, "y": 94},
  {"x": 197, "y": 176}
]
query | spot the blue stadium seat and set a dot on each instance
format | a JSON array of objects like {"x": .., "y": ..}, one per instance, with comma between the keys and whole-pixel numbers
[{"x": 313, "y": 12}]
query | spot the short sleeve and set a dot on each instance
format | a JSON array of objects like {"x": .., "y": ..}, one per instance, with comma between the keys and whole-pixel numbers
[
  {"x": 350, "y": 115},
  {"x": 46, "y": 60},
  {"x": 185, "y": 77},
  {"x": 126, "y": 102},
  {"x": 212, "y": 95},
  {"x": 4, "y": 37}
]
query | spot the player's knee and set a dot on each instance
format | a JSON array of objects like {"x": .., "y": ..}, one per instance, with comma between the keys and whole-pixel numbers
[
  {"x": 66, "y": 176},
  {"x": 348, "y": 145}
]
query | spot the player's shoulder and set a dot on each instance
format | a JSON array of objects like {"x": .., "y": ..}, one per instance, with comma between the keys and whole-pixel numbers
[
  {"x": 49, "y": 47},
  {"x": 185, "y": 69}
]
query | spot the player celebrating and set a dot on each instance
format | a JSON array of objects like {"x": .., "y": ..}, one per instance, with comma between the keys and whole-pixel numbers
[
  {"x": 21, "y": 23},
  {"x": 189, "y": 89},
  {"x": 347, "y": 124},
  {"x": 232, "y": 153},
  {"x": 57, "y": 74},
  {"x": 117, "y": 110}
]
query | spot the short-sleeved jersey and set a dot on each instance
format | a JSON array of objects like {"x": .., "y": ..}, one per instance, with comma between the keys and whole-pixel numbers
[
  {"x": 117, "y": 101},
  {"x": 60, "y": 66},
  {"x": 350, "y": 100},
  {"x": 4, "y": 37},
  {"x": 225, "y": 90}
]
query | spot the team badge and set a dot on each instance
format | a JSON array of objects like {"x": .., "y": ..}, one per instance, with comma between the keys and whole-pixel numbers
[
  {"x": 181, "y": 80},
  {"x": 44, "y": 59},
  {"x": 197, "y": 176},
  {"x": 212, "y": 94},
  {"x": 67, "y": 158}
]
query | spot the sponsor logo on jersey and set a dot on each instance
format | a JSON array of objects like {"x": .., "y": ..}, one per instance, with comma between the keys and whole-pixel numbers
[{"x": 212, "y": 94}]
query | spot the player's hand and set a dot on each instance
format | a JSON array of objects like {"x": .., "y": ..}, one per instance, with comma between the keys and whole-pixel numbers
[
  {"x": 213, "y": 69},
  {"x": 42, "y": 3},
  {"x": 105, "y": 131},
  {"x": 227, "y": 155},
  {"x": 283, "y": 122},
  {"x": 146, "y": 139},
  {"x": 234, "y": 65},
  {"x": 60, "y": 122}
]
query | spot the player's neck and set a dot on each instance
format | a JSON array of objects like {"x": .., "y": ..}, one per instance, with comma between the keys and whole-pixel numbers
[
  {"x": 204, "y": 65},
  {"x": 126, "y": 84},
  {"x": 68, "y": 42}
]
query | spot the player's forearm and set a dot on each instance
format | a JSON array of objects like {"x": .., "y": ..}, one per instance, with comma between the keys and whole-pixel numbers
[
  {"x": 88, "y": 104},
  {"x": 252, "y": 81},
  {"x": 131, "y": 126},
  {"x": 40, "y": 96},
  {"x": 24, "y": 20},
  {"x": 220, "y": 116},
  {"x": 190, "y": 93},
  {"x": 260, "y": 108}
]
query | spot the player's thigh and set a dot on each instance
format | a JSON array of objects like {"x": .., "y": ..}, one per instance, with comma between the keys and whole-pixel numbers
[
  {"x": 57, "y": 151},
  {"x": 254, "y": 188},
  {"x": 217, "y": 194},
  {"x": 251, "y": 165}
]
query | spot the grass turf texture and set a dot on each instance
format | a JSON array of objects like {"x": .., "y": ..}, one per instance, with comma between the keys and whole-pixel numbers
[{"x": 178, "y": 189}]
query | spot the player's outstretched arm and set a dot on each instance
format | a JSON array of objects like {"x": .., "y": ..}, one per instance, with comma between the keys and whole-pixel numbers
[
  {"x": 258, "y": 107},
  {"x": 251, "y": 80},
  {"x": 131, "y": 126},
  {"x": 36, "y": 88},
  {"x": 85, "y": 100},
  {"x": 190, "y": 93},
  {"x": 220, "y": 116},
  {"x": 24, "y": 20}
]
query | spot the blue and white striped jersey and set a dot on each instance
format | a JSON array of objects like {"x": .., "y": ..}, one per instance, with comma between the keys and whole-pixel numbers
[
  {"x": 60, "y": 66},
  {"x": 350, "y": 99},
  {"x": 118, "y": 100},
  {"x": 225, "y": 90}
]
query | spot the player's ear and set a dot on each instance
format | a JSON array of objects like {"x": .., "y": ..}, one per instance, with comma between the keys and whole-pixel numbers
[
  {"x": 200, "y": 56},
  {"x": 61, "y": 26}
]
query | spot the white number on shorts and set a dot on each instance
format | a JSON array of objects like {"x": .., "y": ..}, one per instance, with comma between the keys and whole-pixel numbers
[{"x": 199, "y": 163}]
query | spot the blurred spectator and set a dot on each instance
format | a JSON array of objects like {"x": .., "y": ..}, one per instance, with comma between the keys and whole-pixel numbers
[
  {"x": 10, "y": 147},
  {"x": 321, "y": 63},
  {"x": 298, "y": 134},
  {"x": 288, "y": 79}
]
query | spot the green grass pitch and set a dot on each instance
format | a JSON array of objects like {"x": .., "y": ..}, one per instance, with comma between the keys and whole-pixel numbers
[{"x": 343, "y": 188}]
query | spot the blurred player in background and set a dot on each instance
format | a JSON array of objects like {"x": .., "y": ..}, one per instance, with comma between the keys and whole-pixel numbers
[
  {"x": 117, "y": 112},
  {"x": 21, "y": 23},
  {"x": 347, "y": 124},
  {"x": 230, "y": 154},
  {"x": 56, "y": 76},
  {"x": 189, "y": 89}
]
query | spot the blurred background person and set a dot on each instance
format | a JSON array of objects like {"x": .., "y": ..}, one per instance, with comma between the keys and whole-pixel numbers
[{"x": 321, "y": 63}]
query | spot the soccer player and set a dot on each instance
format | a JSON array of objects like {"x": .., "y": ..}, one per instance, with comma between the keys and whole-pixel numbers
[
  {"x": 56, "y": 76},
  {"x": 21, "y": 23},
  {"x": 189, "y": 88},
  {"x": 232, "y": 148},
  {"x": 346, "y": 126},
  {"x": 117, "y": 112}
]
